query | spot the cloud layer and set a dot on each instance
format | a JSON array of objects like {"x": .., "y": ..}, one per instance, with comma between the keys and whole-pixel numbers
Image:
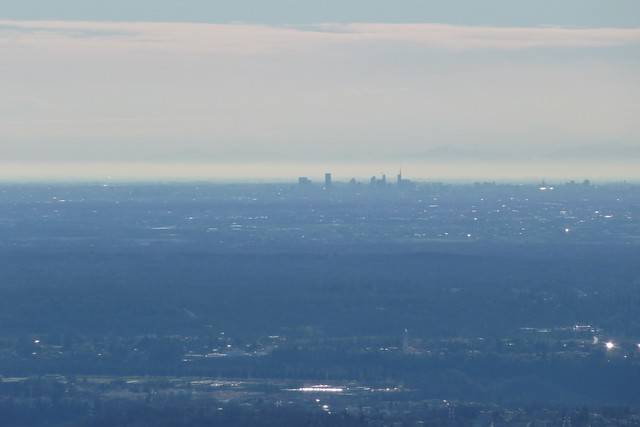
[
  {"x": 82, "y": 92},
  {"x": 244, "y": 38}
]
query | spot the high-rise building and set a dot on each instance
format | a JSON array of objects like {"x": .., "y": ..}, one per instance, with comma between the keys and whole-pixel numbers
[
  {"x": 303, "y": 180},
  {"x": 327, "y": 179},
  {"x": 403, "y": 182},
  {"x": 380, "y": 182}
]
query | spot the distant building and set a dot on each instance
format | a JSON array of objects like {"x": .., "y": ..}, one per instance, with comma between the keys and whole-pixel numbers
[
  {"x": 303, "y": 180},
  {"x": 327, "y": 179},
  {"x": 382, "y": 181},
  {"x": 402, "y": 182}
]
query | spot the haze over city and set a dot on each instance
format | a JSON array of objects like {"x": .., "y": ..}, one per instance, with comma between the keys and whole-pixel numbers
[{"x": 252, "y": 92}]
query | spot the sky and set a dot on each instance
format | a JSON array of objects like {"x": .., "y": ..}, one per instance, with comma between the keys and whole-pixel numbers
[{"x": 494, "y": 90}]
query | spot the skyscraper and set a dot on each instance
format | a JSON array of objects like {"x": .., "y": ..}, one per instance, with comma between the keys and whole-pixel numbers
[{"x": 327, "y": 179}]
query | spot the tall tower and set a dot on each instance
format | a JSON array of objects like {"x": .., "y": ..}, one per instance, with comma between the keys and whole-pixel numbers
[
  {"x": 399, "y": 178},
  {"x": 327, "y": 179}
]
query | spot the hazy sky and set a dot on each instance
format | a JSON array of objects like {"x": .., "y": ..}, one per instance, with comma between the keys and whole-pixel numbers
[
  {"x": 179, "y": 89},
  {"x": 594, "y": 13}
]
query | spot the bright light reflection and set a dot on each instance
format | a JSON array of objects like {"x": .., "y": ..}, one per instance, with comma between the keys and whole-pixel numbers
[
  {"x": 320, "y": 389},
  {"x": 610, "y": 345}
]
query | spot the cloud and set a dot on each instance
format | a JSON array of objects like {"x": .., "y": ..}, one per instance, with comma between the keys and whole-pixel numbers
[
  {"x": 253, "y": 39},
  {"x": 472, "y": 37},
  {"x": 127, "y": 92}
]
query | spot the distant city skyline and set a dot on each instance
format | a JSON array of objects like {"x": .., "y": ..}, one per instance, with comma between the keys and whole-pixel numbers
[{"x": 430, "y": 172}]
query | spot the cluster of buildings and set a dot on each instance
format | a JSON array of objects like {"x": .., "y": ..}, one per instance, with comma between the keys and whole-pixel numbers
[{"x": 374, "y": 180}]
